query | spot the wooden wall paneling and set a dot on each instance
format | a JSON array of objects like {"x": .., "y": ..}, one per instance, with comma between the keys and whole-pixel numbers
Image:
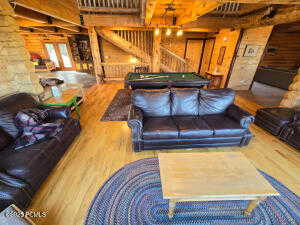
[
  {"x": 282, "y": 54},
  {"x": 228, "y": 39}
]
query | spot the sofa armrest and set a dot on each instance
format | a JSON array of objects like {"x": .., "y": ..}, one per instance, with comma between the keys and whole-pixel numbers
[
  {"x": 57, "y": 112},
  {"x": 243, "y": 117},
  {"x": 135, "y": 122},
  {"x": 296, "y": 118}
]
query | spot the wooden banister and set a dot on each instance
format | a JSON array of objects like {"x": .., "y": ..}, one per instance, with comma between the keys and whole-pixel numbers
[{"x": 170, "y": 62}]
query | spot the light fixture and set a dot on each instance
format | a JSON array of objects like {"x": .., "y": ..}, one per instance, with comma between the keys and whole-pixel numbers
[
  {"x": 168, "y": 32},
  {"x": 179, "y": 33},
  {"x": 133, "y": 60},
  {"x": 156, "y": 31}
]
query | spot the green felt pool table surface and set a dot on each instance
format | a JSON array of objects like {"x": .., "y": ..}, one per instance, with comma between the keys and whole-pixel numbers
[{"x": 164, "y": 77}]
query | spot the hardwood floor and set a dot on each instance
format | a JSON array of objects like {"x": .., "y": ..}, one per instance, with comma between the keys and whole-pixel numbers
[{"x": 104, "y": 147}]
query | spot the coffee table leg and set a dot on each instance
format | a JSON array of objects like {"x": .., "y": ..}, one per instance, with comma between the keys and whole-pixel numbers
[
  {"x": 252, "y": 205},
  {"x": 172, "y": 205}
]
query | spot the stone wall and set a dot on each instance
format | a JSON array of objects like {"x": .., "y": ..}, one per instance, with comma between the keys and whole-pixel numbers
[
  {"x": 292, "y": 97},
  {"x": 244, "y": 68},
  {"x": 16, "y": 70}
]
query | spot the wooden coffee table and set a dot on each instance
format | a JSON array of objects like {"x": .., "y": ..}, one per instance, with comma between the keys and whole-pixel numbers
[{"x": 211, "y": 176}]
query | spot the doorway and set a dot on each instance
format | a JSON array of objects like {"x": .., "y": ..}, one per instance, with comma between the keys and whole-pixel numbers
[
  {"x": 193, "y": 53},
  {"x": 198, "y": 53},
  {"x": 59, "y": 53}
]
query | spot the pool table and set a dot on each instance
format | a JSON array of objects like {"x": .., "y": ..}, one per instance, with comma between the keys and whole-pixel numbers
[{"x": 164, "y": 80}]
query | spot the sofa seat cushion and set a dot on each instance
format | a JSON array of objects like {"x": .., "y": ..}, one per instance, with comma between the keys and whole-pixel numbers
[
  {"x": 160, "y": 128},
  {"x": 276, "y": 116},
  {"x": 192, "y": 128},
  {"x": 31, "y": 164},
  {"x": 224, "y": 126},
  {"x": 5, "y": 139}
]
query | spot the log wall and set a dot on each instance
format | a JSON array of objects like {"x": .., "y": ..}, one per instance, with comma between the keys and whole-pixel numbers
[
  {"x": 283, "y": 49},
  {"x": 228, "y": 39}
]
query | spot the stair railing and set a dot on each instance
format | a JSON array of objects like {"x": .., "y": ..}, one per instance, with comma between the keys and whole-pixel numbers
[
  {"x": 172, "y": 62},
  {"x": 118, "y": 71},
  {"x": 132, "y": 6}
]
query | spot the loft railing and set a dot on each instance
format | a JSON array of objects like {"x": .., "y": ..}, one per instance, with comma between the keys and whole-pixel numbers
[
  {"x": 170, "y": 62},
  {"x": 125, "y": 6},
  {"x": 118, "y": 71},
  {"x": 141, "y": 39}
]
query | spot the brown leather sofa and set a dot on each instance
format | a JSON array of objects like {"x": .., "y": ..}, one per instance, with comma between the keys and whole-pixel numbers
[
  {"x": 281, "y": 122},
  {"x": 22, "y": 171},
  {"x": 186, "y": 118}
]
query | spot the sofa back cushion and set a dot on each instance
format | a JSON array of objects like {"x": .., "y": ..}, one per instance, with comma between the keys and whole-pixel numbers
[
  {"x": 185, "y": 102},
  {"x": 10, "y": 106},
  {"x": 215, "y": 101},
  {"x": 5, "y": 139},
  {"x": 153, "y": 103}
]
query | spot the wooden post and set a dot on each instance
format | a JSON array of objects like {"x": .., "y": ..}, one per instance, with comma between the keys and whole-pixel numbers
[
  {"x": 292, "y": 97},
  {"x": 156, "y": 54},
  {"x": 96, "y": 54}
]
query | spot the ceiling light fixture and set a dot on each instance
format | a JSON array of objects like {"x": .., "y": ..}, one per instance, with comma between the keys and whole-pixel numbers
[
  {"x": 179, "y": 33},
  {"x": 168, "y": 32},
  {"x": 156, "y": 31}
]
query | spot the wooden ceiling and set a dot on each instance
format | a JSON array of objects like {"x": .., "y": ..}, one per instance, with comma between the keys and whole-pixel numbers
[{"x": 58, "y": 17}]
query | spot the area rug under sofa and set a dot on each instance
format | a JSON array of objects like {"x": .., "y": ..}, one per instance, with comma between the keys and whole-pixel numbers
[{"x": 133, "y": 195}]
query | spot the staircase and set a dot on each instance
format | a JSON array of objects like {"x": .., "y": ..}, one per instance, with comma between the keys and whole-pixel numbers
[
  {"x": 133, "y": 42},
  {"x": 139, "y": 44},
  {"x": 170, "y": 62}
]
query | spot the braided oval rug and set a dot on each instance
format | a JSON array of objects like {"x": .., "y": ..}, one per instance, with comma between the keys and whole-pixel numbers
[{"x": 133, "y": 195}]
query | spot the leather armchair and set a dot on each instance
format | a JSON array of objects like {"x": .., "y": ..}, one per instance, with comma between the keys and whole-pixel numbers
[
  {"x": 185, "y": 118},
  {"x": 275, "y": 119},
  {"x": 281, "y": 122},
  {"x": 291, "y": 135}
]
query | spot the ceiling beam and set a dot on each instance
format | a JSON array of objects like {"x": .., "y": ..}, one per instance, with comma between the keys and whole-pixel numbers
[
  {"x": 282, "y": 15},
  {"x": 198, "y": 9},
  {"x": 30, "y": 15},
  {"x": 150, "y": 8},
  {"x": 109, "y": 20},
  {"x": 211, "y": 22},
  {"x": 292, "y": 2},
  {"x": 64, "y": 10},
  {"x": 28, "y": 23}
]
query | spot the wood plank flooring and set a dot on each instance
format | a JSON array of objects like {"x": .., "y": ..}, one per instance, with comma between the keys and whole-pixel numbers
[{"x": 104, "y": 147}]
